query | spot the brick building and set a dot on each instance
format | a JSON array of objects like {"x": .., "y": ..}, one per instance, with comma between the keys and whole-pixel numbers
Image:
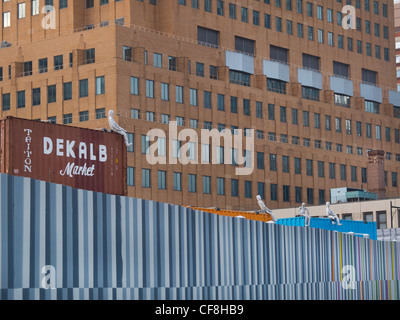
[{"x": 318, "y": 95}]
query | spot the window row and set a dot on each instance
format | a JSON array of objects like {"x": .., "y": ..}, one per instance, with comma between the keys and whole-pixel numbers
[{"x": 52, "y": 93}]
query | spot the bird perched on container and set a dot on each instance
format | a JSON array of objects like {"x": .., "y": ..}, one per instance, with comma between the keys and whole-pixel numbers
[
  {"x": 116, "y": 128},
  {"x": 303, "y": 211},
  {"x": 331, "y": 215},
  {"x": 264, "y": 208}
]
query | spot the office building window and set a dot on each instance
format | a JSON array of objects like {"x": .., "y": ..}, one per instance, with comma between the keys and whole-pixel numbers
[
  {"x": 100, "y": 85},
  {"x": 310, "y": 196},
  {"x": 274, "y": 192},
  {"x": 20, "y": 99},
  {"x": 146, "y": 178},
  {"x": 191, "y": 182},
  {"x": 309, "y": 167},
  {"x": 51, "y": 93},
  {"x": 35, "y": 96},
  {"x": 100, "y": 113},
  {"x": 193, "y": 97},
  {"x": 221, "y": 186},
  {"x": 5, "y": 101},
  {"x": 43, "y": 65},
  {"x": 381, "y": 220},
  {"x": 165, "y": 91},
  {"x": 67, "y": 91},
  {"x": 207, "y": 37},
  {"x": 58, "y": 62},
  {"x": 177, "y": 181}
]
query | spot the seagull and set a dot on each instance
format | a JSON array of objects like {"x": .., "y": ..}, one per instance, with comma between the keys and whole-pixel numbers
[{"x": 116, "y": 128}]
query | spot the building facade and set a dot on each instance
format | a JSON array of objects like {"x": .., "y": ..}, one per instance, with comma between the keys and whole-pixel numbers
[{"x": 318, "y": 95}]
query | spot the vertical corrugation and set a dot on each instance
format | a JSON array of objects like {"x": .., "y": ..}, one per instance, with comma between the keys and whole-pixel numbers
[{"x": 113, "y": 247}]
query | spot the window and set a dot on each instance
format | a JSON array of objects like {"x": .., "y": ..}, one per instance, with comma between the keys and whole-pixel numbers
[
  {"x": 246, "y": 107},
  {"x": 67, "y": 118},
  {"x": 199, "y": 69},
  {"x": 297, "y": 194},
  {"x": 259, "y": 109},
  {"x": 207, "y": 37},
  {"x": 321, "y": 195},
  {"x": 247, "y": 189},
  {"x": 193, "y": 97},
  {"x": 271, "y": 111},
  {"x": 145, "y": 144},
  {"x": 299, "y": 6},
  {"x": 157, "y": 60},
  {"x": 286, "y": 193},
  {"x": 35, "y": 7},
  {"x": 146, "y": 178},
  {"x": 83, "y": 88},
  {"x": 244, "y": 12},
  {"x": 100, "y": 85},
  {"x": 103, "y": 2},
  {"x": 310, "y": 93},
  {"x": 89, "y": 4},
  {"x": 343, "y": 172},
  {"x": 6, "y": 19},
  {"x": 63, "y": 4},
  {"x": 328, "y": 123},
  {"x": 21, "y": 10},
  {"x": 51, "y": 93},
  {"x": 371, "y": 106},
  {"x": 297, "y": 165},
  {"x": 220, "y": 102},
  {"x": 320, "y": 15},
  {"x": 329, "y": 15},
  {"x": 272, "y": 162},
  {"x": 394, "y": 179},
  {"x": 261, "y": 189},
  {"x": 35, "y": 96},
  {"x": 295, "y": 119},
  {"x": 244, "y": 45},
  {"x": 306, "y": 118},
  {"x": 310, "y": 33},
  {"x": 177, "y": 181},
  {"x": 43, "y": 65},
  {"x": 332, "y": 171},
  {"x": 100, "y": 113},
  {"x": 364, "y": 175},
  {"x": 378, "y": 132},
  {"x": 232, "y": 11},
  {"x": 309, "y": 9},
  {"x": 338, "y": 124},
  {"x": 278, "y": 24},
  {"x": 67, "y": 91},
  {"x": 300, "y": 30},
  {"x": 310, "y": 195},
  {"x": 342, "y": 100},
  {"x": 179, "y": 94},
  {"x": 150, "y": 116},
  {"x": 127, "y": 53},
  {"x": 256, "y": 18},
  {"x": 213, "y": 72},
  {"x": 275, "y": 85},
  {"x": 149, "y": 88},
  {"x": 206, "y": 184},
  {"x": 267, "y": 21},
  {"x": 207, "y": 5},
  {"x": 353, "y": 172},
  {"x": 381, "y": 220},
  {"x": 234, "y": 187},
  {"x": 239, "y": 77},
  {"x": 285, "y": 163},
  {"x": 134, "y": 85},
  {"x": 320, "y": 36},
  {"x": 317, "y": 121},
  {"x": 164, "y": 91},
  {"x": 309, "y": 167},
  {"x": 220, "y": 7},
  {"x": 278, "y": 53},
  {"x": 330, "y": 39},
  {"x": 220, "y": 186},
  {"x": 58, "y": 62},
  {"x": 282, "y": 114},
  {"x": 310, "y": 61},
  {"x": 20, "y": 99},
  {"x": 289, "y": 27},
  {"x": 348, "y": 126},
  {"x": 6, "y": 101},
  {"x": 191, "y": 182},
  {"x": 274, "y": 192}
]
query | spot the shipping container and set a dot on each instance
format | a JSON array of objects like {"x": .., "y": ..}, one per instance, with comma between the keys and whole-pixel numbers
[
  {"x": 359, "y": 228},
  {"x": 82, "y": 158}
]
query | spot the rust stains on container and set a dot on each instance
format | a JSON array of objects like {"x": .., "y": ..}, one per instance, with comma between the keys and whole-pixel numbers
[{"x": 81, "y": 158}]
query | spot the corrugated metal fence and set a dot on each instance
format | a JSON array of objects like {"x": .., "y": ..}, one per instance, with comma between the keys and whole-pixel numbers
[{"x": 88, "y": 245}]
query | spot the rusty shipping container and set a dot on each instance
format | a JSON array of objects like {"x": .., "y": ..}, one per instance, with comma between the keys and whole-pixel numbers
[{"x": 81, "y": 158}]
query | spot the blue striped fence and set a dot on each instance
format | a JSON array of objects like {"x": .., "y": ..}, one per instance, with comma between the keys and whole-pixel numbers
[{"x": 102, "y": 246}]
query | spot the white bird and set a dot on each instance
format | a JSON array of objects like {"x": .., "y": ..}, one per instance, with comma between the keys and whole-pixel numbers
[{"x": 116, "y": 128}]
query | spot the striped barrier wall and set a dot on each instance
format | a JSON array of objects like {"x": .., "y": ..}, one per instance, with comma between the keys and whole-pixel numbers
[{"x": 88, "y": 245}]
